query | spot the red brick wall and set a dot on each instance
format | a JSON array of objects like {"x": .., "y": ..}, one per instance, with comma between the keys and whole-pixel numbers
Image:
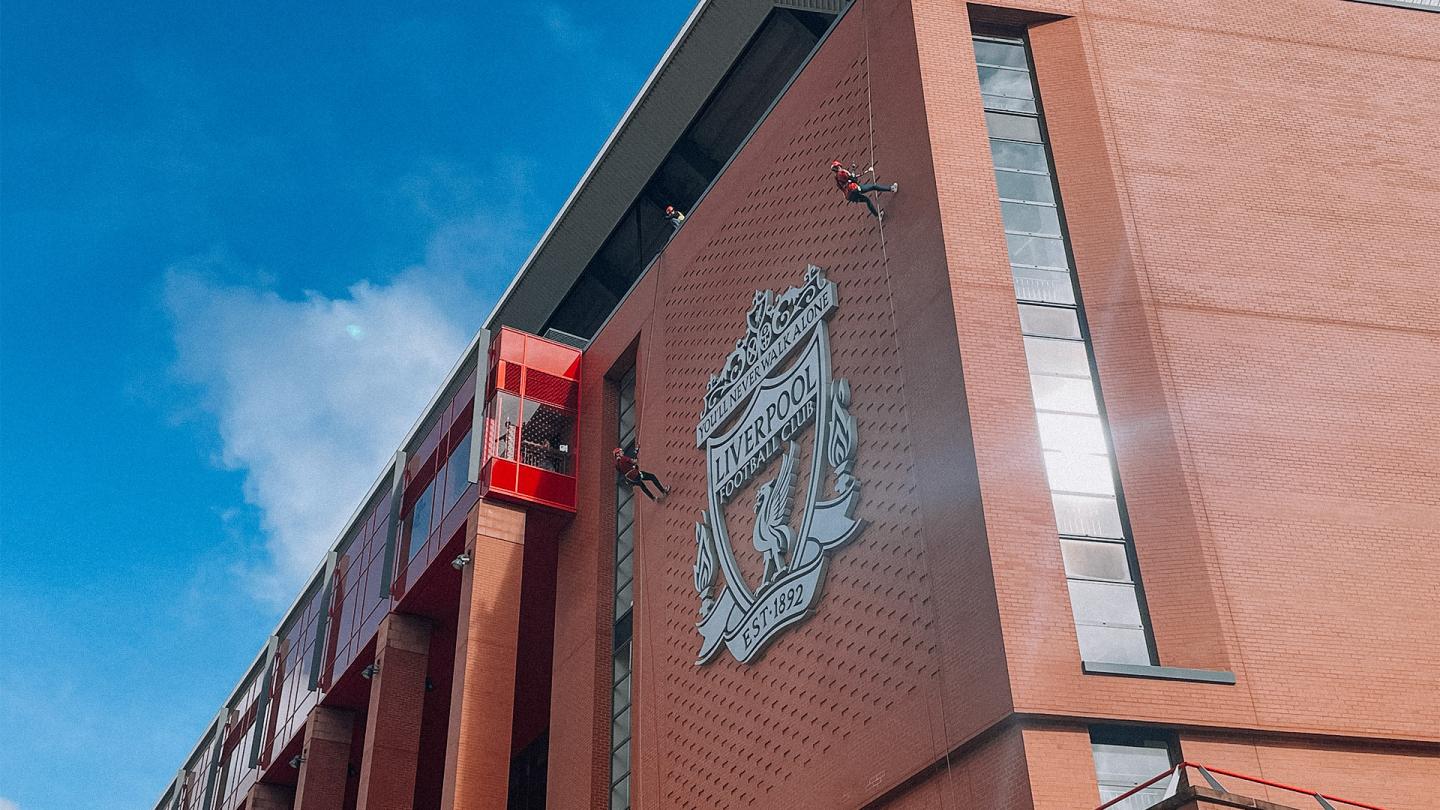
[
  {"x": 868, "y": 691},
  {"x": 1247, "y": 216},
  {"x": 1247, "y": 190}
]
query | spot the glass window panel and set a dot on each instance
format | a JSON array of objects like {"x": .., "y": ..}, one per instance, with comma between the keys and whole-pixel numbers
[
  {"x": 623, "y": 599},
  {"x": 1071, "y": 433},
  {"x": 1145, "y": 799},
  {"x": 504, "y": 432},
  {"x": 620, "y": 761},
  {"x": 1016, "y": 155},
  {"x": 1104, "y": 603},
  {"x": 1049, "y": 322},
  {"x": 1129, "y": 765},
  {"x": 457, "y": 473},
  {"x": 625, "y": 569},
  {"x": 1112, "y": 645},
  {"x": 1036, "y": 251},
  {"x": 1013, "y": 127},
  {"x": 620, "y": 696},
  {"x": 620, "y": 794},
  {"x": 1087, "y": 516},
  {"x": 1024, "y": 187},
  {"x": 1063, "y": 394},
  {"x": 546, "y": 437},
  {"x": 1079, "y": 472},
  {"x": 1066, "y": 358},
  {"x": 1031, "y": 218},
  {"x": 1118, "y": 768},
  {"x": 1095, "y": 559},
  {"x": 1044, "y": 286},
  {"x": 622, "y": 665},
  {"x": 1007, "y": 103},
  {"x": 1010, "y": 54},
  {"x": 620, "y": 731},
  {"x": 419, "y": 523}
]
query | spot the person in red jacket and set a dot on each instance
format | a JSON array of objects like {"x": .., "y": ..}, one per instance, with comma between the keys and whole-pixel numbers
[
  {"x": 636, "y": 477},
  {"x": 847, "y": 180}
]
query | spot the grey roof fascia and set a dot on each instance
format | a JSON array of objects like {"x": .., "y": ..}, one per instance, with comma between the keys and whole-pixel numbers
[{"x": 688, "y": 73}]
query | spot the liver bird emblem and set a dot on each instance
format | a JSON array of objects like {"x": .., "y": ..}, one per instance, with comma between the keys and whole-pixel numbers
[{"x": 773, "y": 536}]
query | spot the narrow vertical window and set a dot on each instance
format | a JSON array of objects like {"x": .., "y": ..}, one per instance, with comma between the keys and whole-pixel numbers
[
  {"x": 1125, "y": 758},
  {"x": 624, "y": 603},
  {"x": 1095, "y": 540}
]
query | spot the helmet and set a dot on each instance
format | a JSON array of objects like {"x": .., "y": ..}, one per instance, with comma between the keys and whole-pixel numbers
[
  {"x": 835, "y": 165},
  {"x": 669, "y": 209},
  {"x": 619, "y": 452}
]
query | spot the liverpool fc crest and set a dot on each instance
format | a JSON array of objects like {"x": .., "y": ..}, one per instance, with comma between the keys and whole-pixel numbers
[{"x": 774, "y": 385}]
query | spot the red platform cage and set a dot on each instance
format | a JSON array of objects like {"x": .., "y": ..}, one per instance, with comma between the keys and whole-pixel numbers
[{"x": 532, "y": 400}]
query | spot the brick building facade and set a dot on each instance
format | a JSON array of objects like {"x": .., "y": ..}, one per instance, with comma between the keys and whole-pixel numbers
[{"x": 1141, "y": 379}]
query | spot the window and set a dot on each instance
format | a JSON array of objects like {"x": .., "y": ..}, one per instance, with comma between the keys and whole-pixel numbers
[
  {"x": 1105, "y": 596},
  {"x": 1125, "y": 758},
  {"x": 457, "y": 473},
  {"x": 620, "y": 723},
  {"x": 417, "y": 526}
]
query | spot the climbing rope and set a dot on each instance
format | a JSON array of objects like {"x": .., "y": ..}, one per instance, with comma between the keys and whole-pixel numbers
[{"x": 895, "y": 322}]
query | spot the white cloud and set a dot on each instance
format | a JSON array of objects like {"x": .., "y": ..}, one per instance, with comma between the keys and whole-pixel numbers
[
  {"x": 312, "y": 395},
  {"x": 6, "y": 804}
]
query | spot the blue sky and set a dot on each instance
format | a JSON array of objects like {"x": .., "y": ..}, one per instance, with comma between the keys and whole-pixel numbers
[{"x": 240, "y": 245}]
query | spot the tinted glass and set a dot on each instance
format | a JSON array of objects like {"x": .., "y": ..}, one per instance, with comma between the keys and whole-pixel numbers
[
  {"x": 1049, "y": 322},
  {"x": 1095, "y": 559},
  {"x": 1000, "y": 53},
  {"x": 1017, "y": 155},
  {"x": 1060, "y": 357},
  {"x": 419, "y": 522},
  {"x": 1065, "y": 394},
  {"x": 1118, "y": 768},
  {"x": 1036, "y": 251},
  {"x": 1024, "y": 187},
  {"x": 1079, "y": 472},
  {"x": 505, "y": 427},
  {"x": 624, "y": 598},
  {"x": 1013, "y": 127},
  {"x": 620, "y": 794},
  {"x": 546, "y": 437},
  {"x": 1043, "y": 286},
  {"x": 457, "y": 473},
  {"x": 1030, "y": 218},
  {"x": 1087, "y": 515},
  {"x": 621, "y": 730},
  {"x": 1113, "y": 645},
  {"x": 1104, "y": 603},
  {"x": 1071, "y": 433}
]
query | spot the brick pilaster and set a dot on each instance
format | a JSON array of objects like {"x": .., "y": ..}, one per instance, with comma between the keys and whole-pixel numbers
[
  {"x": 392, "y": 730},
  {"x": 265, "y": 796},
  {"x": 325, "y": 763},
  {"x": 482, "y": 699}
]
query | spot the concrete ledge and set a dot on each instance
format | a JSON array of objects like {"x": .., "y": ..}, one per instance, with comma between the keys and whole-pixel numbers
[{"x": 1163, "y": 673}]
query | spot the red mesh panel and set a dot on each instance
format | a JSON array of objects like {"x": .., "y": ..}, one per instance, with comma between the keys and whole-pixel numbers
[
  {"x": 509, "y": 378},
  {"x": 549, "y": 388}
]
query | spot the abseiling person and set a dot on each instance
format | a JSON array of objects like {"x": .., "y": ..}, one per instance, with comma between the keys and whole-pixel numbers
[
  {"x": 629, "y": 468},
  {"x": 847, "y": 181}
]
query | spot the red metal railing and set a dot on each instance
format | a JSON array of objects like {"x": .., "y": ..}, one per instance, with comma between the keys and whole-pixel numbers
[{"x": 1323, "y": 799}]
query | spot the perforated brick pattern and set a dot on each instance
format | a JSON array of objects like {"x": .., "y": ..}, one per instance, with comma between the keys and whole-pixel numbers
[{"x": 749, "y": 736}]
